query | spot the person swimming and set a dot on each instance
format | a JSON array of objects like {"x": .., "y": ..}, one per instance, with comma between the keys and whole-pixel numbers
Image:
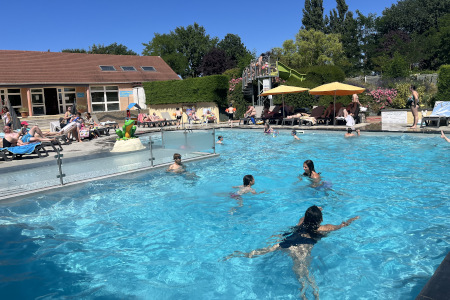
[
  {"x": 246, "y": 187},
  {"x": 298, "y": 243},
  {"x": 294, "y": 134},
  {"x": 177, "y": 166}
]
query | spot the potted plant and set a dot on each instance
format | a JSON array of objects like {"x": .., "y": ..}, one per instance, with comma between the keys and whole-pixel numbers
[{"x": 24, "y": 111}]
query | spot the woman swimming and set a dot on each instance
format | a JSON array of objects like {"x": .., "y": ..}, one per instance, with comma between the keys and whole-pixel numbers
[{"x": 299, "y": 242}]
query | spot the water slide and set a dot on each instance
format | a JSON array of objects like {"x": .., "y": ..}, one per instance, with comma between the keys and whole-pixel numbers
[{"x": 284, "y": 72}]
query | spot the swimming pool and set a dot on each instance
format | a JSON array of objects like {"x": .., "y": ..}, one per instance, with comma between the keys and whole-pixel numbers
[{"x": 164, "y": 236}]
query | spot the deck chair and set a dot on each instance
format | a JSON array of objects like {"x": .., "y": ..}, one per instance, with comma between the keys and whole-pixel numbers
[
  {"x": 140, "y": 121},
  {"x": 108, "y": 124},
  {"x": 329, "y": 116},
  {"x": 440, "y": 114},
  {"x": 4, "y": 154},
  {"x": 19, "y": 151},
  {"x": 169, "y": 119},
  {"x": 315, "y": 113},
  {"x": 190, "y": 117}
]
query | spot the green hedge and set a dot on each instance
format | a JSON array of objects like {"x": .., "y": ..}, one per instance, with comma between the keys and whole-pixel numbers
[
  {"x": 192, "y": 90},
  {"x": 443, "y": 84}
]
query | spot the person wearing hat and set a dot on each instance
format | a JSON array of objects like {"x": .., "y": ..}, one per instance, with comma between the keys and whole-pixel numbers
[{"x": 34, "y": 134}]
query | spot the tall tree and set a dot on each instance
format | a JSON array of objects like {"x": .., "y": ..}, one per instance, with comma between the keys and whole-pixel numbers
[
  {"x": 313, "y": 15},
  {"x": 233, "y": 47},
  {"x": 337, "y": 18},
  {"x": 367, "y": 39},
  {"x": 194, "y": 43},
  {"x": 114, "y": 49},
  {"x": 215, "y": 62}
]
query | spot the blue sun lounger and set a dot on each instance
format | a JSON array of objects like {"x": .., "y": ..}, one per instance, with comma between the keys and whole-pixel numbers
[{"x": 18, "y": 151}]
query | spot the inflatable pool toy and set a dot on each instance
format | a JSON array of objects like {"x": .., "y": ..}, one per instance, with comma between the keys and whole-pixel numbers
[{"x": 128, "y": 130}]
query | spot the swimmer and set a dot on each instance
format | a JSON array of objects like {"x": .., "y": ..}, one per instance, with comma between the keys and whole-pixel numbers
[
  {"x": 267, "y": 128},
  {"x": 248, "y": 181},
  {"x": 177, "y": 166},
  {"x": 350, "y": 134},
  {"x": 308, "y": 168},
  {"x": 444, "y": 137},
  {"x": 299, "y": 242},
  {"x": 220, "y": 140},
  {"x": 294, "y": 134}
]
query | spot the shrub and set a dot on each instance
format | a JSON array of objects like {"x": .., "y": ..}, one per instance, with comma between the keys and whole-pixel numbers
[
  {"x": 201, "y": 89},
  {"x": 443, "y": 84},
  {"x": 403, "y": 92},
  {"x": 397, "y": 68},
  {"x": 381, "y": 98}
]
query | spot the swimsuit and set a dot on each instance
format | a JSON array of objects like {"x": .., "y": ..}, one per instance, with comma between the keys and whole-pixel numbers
[
  {"x": 26, "y": 138},
  {"x": 299, "y": 237}
]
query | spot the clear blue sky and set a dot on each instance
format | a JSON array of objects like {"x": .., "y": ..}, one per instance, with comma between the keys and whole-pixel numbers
[{"x": 56, "y": 25}]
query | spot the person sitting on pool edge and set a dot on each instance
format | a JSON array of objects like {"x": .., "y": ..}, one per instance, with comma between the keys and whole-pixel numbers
[
  {"x": 350, "y": 134},
  {"x": 299, "y": 242},
  {"x": 177, "y": 166},
  {"x": 267, "y": 128},
  {"x": 248, "y": 181},
  {"x": 220, "y": 140},
  {"x": 294, "y": 134}
]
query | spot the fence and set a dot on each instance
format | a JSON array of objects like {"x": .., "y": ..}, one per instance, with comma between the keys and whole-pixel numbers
[{"x": 53, "y": 173}]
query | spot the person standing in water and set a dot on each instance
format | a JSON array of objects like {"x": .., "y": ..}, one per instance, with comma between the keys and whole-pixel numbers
[{"x": 299, "y": 242}]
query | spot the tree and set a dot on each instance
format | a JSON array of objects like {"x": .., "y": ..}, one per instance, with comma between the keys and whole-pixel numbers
[
  {"x": 337, "y": 18},
  {"x": 166, "y": 45},
  {"x": 182, "y": 49},
  {"x": 215, "y": 62},
  {"x": 398, "y": 67},
  {"x": 194, "y": 43},
  {"x": 233, "y": 47},
  {"x": 367, "y": 38},
  {"x": 313, "y": 15},
  {"x": 114, "y": 49},
  {"x": 317, "y": 48}
]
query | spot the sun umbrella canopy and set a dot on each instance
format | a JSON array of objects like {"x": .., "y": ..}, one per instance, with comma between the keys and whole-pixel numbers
[
  {"x": 284, "y": 89},
  {"x": 336, "y": 89}
]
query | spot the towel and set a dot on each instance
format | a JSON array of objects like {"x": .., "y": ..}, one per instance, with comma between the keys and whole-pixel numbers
[{"x": 25, "y": 149}]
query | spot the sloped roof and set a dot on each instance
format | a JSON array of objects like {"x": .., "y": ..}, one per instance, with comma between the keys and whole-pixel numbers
[{"x": 33, "y": 67}]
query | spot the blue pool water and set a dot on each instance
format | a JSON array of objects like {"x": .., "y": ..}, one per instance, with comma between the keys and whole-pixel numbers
[{"x": 164, "y": 236}]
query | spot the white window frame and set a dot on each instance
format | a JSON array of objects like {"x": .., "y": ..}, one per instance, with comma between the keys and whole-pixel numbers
[
  {"x": 61, "y": 94},
  {"x": 104, "y": 102},
  {"x": 33, "y": 91}
]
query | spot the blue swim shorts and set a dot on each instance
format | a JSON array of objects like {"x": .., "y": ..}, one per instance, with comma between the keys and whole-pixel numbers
[{"x": 26, "y": 138}]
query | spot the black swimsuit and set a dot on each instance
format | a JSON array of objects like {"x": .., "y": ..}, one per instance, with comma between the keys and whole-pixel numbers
[{"x": 300, "y": 237}]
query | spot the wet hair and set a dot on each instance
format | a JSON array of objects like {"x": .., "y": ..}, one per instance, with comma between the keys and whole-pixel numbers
[
  {"x": 313, "y": 218},
  {"x": 294, "y": 132},
  {"x": 349, "y": 130},
  {"x": 177, "y": 156},
  {"x": 219, "y": 137},
  {"x": 247, "y": 179},
  {"x": 310, "y": 165}
]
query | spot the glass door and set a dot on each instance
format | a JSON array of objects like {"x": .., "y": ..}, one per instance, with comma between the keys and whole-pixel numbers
[
  {"x": 38, "y": 101},
  {"x": 66, "y": 97}
]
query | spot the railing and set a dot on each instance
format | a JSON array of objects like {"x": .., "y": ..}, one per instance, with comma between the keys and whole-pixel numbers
[
  {"x": 50, "y": 173},
  {"x": 263, "y": 67}
]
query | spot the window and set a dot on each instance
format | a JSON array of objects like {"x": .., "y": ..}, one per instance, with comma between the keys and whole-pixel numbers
[
  {"x": 66, "y": 97},
  {"x": 15, "y": 99},
  {"x": 107, "y": 68},
  {"x": 105, "y": 98},
  {"x": 37, "y": 101},
  {"x": 151, "y": 69},
  {"x": 128, "y": 68}
]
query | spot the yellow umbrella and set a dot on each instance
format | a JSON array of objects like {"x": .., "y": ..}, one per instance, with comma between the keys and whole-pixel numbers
[
  {"x": 284, "y": 89},
  {"x": 336, "y": 89}
]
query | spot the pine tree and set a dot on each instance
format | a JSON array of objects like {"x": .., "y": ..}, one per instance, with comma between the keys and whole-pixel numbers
[{"x": 313, "y": 15}]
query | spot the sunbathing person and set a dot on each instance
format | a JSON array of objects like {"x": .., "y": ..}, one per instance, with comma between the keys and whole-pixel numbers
[
  {"x": 298, "y": 243},
  {"x": 11, "y": 138},
  {"x": 32, "y": 135},
  {"x": 177, "y": 166},
  {"x": 250, "y": 113},
  {"x": 156, "y": 118},
  {"x": 37, "y": 131}
]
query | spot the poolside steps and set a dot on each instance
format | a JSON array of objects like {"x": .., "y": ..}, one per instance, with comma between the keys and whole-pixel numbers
[{"x": 42, "y": 121}]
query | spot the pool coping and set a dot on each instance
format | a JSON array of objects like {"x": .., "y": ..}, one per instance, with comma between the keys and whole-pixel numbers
[{"x": 438, "y": 286}]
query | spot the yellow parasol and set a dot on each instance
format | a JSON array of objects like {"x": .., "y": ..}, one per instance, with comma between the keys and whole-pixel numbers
[
  {"x": 336, "y": 89},
  {"x": 284, "y": 89}
]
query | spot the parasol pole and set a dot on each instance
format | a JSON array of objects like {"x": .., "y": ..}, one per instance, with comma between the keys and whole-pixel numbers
[{"x": 334, "y": 110}]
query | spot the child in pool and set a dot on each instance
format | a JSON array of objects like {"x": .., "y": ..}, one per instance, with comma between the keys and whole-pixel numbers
[
  {"x": 248, "y": 181},
  {"x": 220, "y": 140},
  {"x": 177, "y": 166},
  {"x": 294, "y": 134}
]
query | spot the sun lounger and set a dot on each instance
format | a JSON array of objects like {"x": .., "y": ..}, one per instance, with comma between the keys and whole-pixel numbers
[
  {"x": 315, "y": 113},
  {"x": 440, "y": 114},
  {"x": 32, "y": 148},
  {"x": 108, "y": 124},
  {"x": 140, "y": 121},
  {"x": 259, "y": 111},
  {"x": 168, "y": 118}
]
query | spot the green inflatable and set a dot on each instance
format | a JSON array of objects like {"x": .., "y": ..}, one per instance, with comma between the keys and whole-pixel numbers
[{"x": 127, "y": 131}]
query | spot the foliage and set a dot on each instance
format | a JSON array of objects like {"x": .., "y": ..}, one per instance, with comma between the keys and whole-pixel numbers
[
  {"x": 398, "y": 67},
  {"x": 443, "y": 83},
  {"x": 114, "y": 49},
  {"x": 183, "y": 49},
  {"x": 403, "y": 92},
  {"x": 313, "y": 15},
  {"x": 318, "y": 75},
  {"x": 232, "y": 73},
  {"x": 234, "y": 48},
  {"x": 215, "y": 62},
  {"x": 317, "y": 48},
  {"x": 236, "y": 97},
  {"x": 205, "y": 89}
]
